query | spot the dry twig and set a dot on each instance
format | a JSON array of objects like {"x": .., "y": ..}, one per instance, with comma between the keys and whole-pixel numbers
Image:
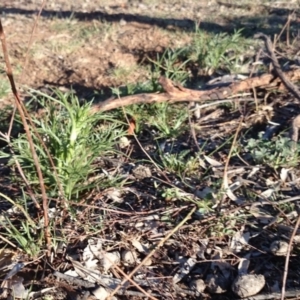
[{"x": 18, "y": 103}]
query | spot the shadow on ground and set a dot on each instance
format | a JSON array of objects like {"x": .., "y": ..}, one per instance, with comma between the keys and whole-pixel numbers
[{"x": 270, "y": 24}]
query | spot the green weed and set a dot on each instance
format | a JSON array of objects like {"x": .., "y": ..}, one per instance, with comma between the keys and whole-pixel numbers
[
  {"x": 173, "y": 194},
  {"x": 27, "y": 237},
  {"x": 169, "y": 120},
  {"x": 213, "y": 52},
  {"x": 175, "y": 163},
  {"x": 172, "y": 63},
  {"x": 274, "y": 153},
  {"x": 74, "y": 139},
  {"x": 4, "y": 88}
]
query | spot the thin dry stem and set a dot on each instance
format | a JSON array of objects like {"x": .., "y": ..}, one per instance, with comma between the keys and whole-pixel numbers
[
  {"x": 8, "y": 242},
  {"x": 225, "y": 177},
  {"x": 287, "y": 259},
  {"x": 29, "y": 137},
  {"x": 26, "y": 61},
  {"x": 287, "y": 27},
  {"x": 29, "y": 189},
  {"x": 30, "y": 119},
  {"x": 295, "y": 129},
  {"x": 129, "y": 279}
]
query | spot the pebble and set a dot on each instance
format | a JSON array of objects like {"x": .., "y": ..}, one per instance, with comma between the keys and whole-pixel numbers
[
  {"x": 248, "y": 285},
  {"x": 198, "y": 285},
  {"x": 129, "y": 257}
]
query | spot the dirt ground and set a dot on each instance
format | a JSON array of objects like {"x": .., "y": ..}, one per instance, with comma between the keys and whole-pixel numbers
[{"x": 95, "y": 45}]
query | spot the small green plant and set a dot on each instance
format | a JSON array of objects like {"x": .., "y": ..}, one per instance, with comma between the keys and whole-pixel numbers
[
  {"x": 173, "y": 194},
  {"x": 134, "y": 88},
  {"x": 212, "y": 52},
  {"x": 275, "y": 153},
  {"x": 140, "y": 87},
  {"x": 172, "y": 64},
  {"x": 4, "y": 88},
  {"x": 59, "y": 24},
  {"x": 169, "y": 120},
  {"x": 95, "y": 30},
  {"x": 139, "y": 112},
  {"x": 224, "y": 225},
  {"x": 74, "y": 138},
  {"x": 175, "y": 163},
  {"x": 26, "y": 236}
]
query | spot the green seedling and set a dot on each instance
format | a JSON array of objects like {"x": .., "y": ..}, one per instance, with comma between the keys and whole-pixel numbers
[
  {"x": 213, "y": 52},
  {"x": 169, "y": 120},
  {"x": 172, "y": 64},
  {"x": 74, "y": 139},
  {"x": 275, "y": 153}
]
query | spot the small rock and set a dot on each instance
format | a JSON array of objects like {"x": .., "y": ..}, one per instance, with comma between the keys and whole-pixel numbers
[
  {"x": 123, "y": 22},
  {"x": 216, "y": 283},
  {"x": 110, "y": 259},
  {"x": 279, "y": 248},
  {"x": 143, "y": 6},
  {"x": 186, "y": 266},
  {"x": 100, "y": 293},
  {"x": 197, "y": 285},
  {"x": 148, "y": 262},
  {"x": 124, "y": 142},
  {"x": 129, "y": 257},
  {"x": 248, "y": 285},
  {"x": 141, "y": 172}
]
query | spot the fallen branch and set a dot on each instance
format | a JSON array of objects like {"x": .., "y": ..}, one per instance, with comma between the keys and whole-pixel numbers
[{"x": 177, "y": 93}]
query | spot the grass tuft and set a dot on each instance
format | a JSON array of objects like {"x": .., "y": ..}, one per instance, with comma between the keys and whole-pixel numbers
[{"x": 74, "y": 139}]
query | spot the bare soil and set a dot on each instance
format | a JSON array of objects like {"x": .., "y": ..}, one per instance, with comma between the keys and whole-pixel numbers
[{"x": 95, "y": 45}]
